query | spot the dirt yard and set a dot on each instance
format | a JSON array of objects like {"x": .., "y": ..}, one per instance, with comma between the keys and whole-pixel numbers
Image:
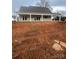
[{"x": 38, "y": 40}]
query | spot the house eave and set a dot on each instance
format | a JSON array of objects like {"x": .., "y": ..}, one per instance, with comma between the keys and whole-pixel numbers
[{"x": 34, "y": 14}]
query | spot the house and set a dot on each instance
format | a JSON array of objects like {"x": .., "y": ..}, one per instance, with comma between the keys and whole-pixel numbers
[{"x": 34, "y": 13}]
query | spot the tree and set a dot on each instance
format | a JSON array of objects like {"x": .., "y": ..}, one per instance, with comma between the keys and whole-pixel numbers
[{"x": 44, "y": 3}]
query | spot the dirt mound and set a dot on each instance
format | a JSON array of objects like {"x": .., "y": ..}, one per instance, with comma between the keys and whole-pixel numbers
[{"x": 34, "y": 40}]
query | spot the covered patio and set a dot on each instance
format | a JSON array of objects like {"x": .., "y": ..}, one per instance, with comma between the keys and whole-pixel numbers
[{"x": 35, "y": 17}]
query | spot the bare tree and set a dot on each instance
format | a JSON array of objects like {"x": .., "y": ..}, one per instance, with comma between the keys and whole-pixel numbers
[{"x": 44, "y": 3}]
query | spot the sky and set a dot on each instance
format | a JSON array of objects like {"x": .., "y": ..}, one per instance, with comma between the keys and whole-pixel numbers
[{"x": 55, "y": 4}]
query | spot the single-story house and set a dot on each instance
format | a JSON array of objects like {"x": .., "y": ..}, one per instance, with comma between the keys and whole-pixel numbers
[{"x": 34, "y": 13}]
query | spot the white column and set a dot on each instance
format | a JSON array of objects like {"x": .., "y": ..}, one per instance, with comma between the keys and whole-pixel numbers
[
  {"x": 54, "y": 19},
  {"x": 59, "y": 18},
  {"x": 51, "y": 17},
  {"x": 17, "y": 17},
  {"x": 21, "y": 18},
  {"x": 30, "y": 17}
]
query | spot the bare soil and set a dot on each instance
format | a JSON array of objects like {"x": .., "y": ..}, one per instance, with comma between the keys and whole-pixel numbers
[{"x": 35, "y": 40}]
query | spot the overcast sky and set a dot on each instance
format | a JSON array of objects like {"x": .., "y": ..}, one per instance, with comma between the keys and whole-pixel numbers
[{"x": 56, "y": 4}]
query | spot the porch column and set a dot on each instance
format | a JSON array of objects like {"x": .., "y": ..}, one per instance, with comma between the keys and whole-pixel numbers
[
  {"x": 21, "y": 18},
  {"x": 42, "y": 17},
  {"x": 17, "y": 17},
  {"x": 54, "y": 19},
  {"x": 30, "y": 17},
  {"x": 59, "y": 18}
]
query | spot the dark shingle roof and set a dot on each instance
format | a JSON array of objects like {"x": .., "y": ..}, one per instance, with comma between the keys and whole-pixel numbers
[{"x": 34, "y": 9}]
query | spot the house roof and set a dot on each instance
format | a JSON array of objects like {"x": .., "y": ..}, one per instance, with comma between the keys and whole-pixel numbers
[{"x": 34, "y": 9}]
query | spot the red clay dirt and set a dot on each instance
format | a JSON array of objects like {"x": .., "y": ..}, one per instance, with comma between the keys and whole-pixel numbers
[{"x": 35, "y": 40}]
